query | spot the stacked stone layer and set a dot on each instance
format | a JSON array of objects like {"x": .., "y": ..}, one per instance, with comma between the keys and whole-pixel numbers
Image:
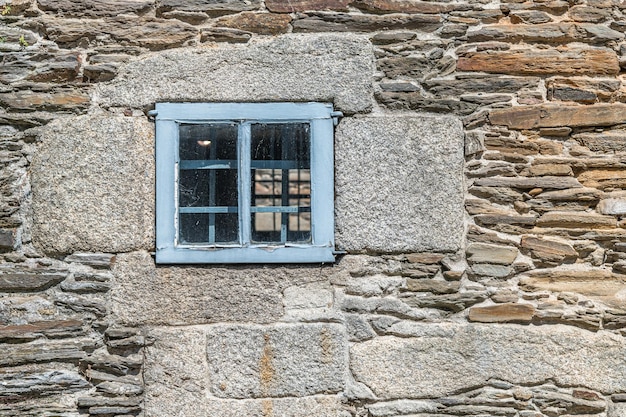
[{"x": 516, "y": 306}]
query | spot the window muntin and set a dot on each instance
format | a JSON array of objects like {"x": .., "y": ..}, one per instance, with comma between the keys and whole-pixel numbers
[
  {"x": 281, "y": 182},
  {"x": 280, "y": 210}
]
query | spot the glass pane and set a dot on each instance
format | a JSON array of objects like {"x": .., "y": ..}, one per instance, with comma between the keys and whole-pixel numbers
[
  {"x": 207, "y": 181},
  {"x": 194, "y": 228},
  {"x": 207, "y": 228},
  {"x": 281, "y": 178},
  {"x": 207, "y": 188},
  {"x": 208, "y": 141}
]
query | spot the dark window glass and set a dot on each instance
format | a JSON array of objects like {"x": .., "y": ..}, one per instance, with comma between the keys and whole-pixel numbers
[
  {"x": 208, "y": 141},
  {"x": 281, "y": 182},
  {"x": 207, "y": 179},
  {"x": 207, "y": 228}
]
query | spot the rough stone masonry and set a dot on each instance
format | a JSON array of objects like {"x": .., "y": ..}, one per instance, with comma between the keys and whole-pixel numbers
[{"x": 480, "y": 182}]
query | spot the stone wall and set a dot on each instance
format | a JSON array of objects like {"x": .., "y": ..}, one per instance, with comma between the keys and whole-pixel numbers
[{"x": 480, "y": 199}]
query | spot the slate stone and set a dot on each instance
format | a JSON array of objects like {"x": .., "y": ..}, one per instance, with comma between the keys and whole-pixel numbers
[
  {"x": 547, "y": 182},
  {"x": 576, "y": 220},
  {"x": 84, "y": 287},
  {"x": 556, "y": 33},
  {"x": 450, "y": 358},
  {"x": 431, "y": 285},
  {"x": 612, "y": 206},
  {"x": 502, "y": 313},
  {"x": 387, "y": 38},
  {"x": 29, "y": 280},
  {"x": 326, "y": 67},
  {"x": 95, "y": 8},
  {"x": 529, "y": 16},
  {"x": 95, "y": 260},
  {"x": 118, "y": 388},
  {"x": 459, "y": 86},
  {"x": 580, "y": 13},
  {"x": 412, "y": 211},
  {"x": 106, "y": 163},
  {"x": 7, "y": 240},
  {"x": 85, "y": 402},
  {"x": 608, "y": 141},
  {"x": 97, "y": 73},
  {"x": 417, "y": 101},
  {"x": 478, "y": 271},
  {"x": 61, "y": 100},
  {"x": 449, "y": 302},
  {"x": 290, "y": 6},
  {"x": 40, "y": 384},
  {"x": 225, "y": 35},
  {"x": 33, "y": 330},
  {"x": 81, "y": 304},
  {"x": 151, "y": 33},
  {"x": 556, "y": 7},
  {"x": 345, "y": 22},
  {"x": 45, "y": 351},
  {"x": 572, "y": 61},
  {"x": 211, "y": 7},
  {"x": 405, "y": 6},
  {"x": 193, "y": 18},
  {"x": 601, "y": 285},
  {"x": 548, "y": 250},
  {"x": 494, "y": 254},
  {"x": 573, "y": 194},
  {"x": 261, "y": 23}
]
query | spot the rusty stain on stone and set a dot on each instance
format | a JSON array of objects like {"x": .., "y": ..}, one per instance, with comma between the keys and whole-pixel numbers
[
  {"x": 326, "y": 343},
  {"x": 266, "y": 368},
  {"x": 268, "y": 407}
]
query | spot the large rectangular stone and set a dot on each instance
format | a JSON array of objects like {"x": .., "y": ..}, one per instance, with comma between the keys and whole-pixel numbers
[
  {"x": 543, "y": 62},
  {"x": 278, "y": 361},
  {"x": 441, "y": 359},
  {"x": 532, "y": 117},
  {"x": 179, "y": 378},
  {"x": 553, "y": 33},
  {"x": 93, "y": 185},
  {"x": 328, "y": 67},
  {"x": 143, "y": 294},
  {"x": 399, "y": 184}
]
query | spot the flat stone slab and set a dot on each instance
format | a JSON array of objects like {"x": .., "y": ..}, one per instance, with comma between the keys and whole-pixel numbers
[
  {"x": 179, "y": 379},
  {"x": 143, "y": 294},
  {"x": 327, "y": 68},
  {"x": 93, "y": 185},
  {"x": 283, "y": 360},
  {"x": 442, "y": 359},
  {"x": 399, "y": 184}
]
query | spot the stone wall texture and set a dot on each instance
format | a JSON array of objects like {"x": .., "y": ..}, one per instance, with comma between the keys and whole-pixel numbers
[{"x": 480, "y": 189}]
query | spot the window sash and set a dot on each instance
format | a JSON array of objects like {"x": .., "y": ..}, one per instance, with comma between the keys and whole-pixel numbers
[{"x": 317, "y": 115}]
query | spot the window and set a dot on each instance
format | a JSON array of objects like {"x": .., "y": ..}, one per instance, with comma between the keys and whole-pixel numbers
[{"x": 244, "y": 182}]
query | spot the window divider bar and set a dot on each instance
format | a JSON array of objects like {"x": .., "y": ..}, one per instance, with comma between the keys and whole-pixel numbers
[
  {"x": 245, "y": 182},
  {"x": 212, "y": 176},
  {"x": 215, "y": 209},
  {"x": 284, "y": 183}
]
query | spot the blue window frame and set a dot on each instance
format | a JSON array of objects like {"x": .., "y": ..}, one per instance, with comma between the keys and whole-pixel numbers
[{"x": 244, "y": 182}]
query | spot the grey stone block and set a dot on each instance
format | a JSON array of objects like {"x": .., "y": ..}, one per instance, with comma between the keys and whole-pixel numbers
[
  {"x": 399, "y": 184},
  {"x": 323, "y": 67},
  {"x": 175, "y": 372},
  {"x": 142, "y": 294},
  {"x": 441, "y": 359},
  {"x": 283, "y": 360},
  {"x": 93, "y": 185}
]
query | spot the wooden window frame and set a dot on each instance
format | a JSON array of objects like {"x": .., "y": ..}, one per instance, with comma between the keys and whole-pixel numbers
[{"x": 321, "y": 118}]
